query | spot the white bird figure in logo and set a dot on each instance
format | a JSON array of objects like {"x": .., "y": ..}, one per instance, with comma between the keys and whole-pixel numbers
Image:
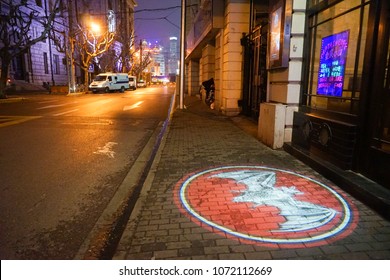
[{"x": 261, "y": 190}]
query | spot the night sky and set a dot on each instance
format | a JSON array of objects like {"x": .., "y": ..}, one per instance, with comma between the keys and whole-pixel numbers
[{"x": 157, "y": 25}]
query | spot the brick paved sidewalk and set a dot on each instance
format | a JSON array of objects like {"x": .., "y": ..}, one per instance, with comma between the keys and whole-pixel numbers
[{"x": 200, "y": 139}]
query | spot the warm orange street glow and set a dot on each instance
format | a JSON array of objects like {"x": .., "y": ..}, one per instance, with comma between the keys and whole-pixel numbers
[{"x": 95, "y": 28}]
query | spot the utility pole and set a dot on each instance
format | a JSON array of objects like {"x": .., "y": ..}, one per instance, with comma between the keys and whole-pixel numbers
[
  {"x": 182, "y": 52},
  {"x": 140, "y": 59}
]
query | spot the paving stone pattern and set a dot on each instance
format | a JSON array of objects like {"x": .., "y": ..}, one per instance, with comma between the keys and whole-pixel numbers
[{"x": 199, "y": 138}]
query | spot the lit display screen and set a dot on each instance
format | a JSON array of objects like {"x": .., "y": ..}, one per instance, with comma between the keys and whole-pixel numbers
[{"x": 331, "y": 70}]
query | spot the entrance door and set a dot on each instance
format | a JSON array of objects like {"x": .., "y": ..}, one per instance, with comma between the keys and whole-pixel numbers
[
  {"x": 377, "y": 162},
  {"x": 255, "y": 71},
  {"x": 18, "y": 67}
]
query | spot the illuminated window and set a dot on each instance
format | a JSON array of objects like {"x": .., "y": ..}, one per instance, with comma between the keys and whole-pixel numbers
[{"x": 337, "y": 41}]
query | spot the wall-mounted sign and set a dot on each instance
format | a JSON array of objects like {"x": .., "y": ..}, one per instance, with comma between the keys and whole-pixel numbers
[
  {"x": 280, "y": 32},
  {"x": 266, "y": 205},
  {"x": 275, "y": 34},
  {"x": 333, "y": 56}
]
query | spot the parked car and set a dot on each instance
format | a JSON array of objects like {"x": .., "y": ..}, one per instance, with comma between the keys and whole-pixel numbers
[
  {"x": 141, "y": 83},
  {"x": 132, "y": 82}
]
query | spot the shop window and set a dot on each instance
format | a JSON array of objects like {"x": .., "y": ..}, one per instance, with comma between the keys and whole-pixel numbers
[
  {"x": 384, "y": 123},
  {"x": 337, "y": 41}
]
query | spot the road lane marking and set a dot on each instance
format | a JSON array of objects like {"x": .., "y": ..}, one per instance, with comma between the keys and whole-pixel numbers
[
  {"x": 48, "y": 101},
  {"x": 107, "y": 150},
  {"x": 100, "y": 102},
  {"x": 64, "y": 113},
  {"x": 136, "y": 105},
  {"x": 11, "y": 120},
  {"x": 105, "y": 101},
  {"x": 50, "y": 106},
  {"x": 102, "y": 122},
  {"x": 58, "y": 105}
]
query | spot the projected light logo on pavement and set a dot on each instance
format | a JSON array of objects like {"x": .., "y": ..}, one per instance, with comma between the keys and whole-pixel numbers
[{"x": 266, "y": 205}]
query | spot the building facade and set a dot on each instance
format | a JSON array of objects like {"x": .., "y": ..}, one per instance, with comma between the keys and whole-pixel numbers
[
  {"x": 173, "y": 57},
  {"x": 116, "y": 17},
  {"x": 314, "y": 75},
  {"x": 344, "y": 110},
  {"x": 41, "y": 63},
  {"x": 158, "y": 60},
  {"x": 45, "y": 63},
  {"x": 214, "y": 30}
]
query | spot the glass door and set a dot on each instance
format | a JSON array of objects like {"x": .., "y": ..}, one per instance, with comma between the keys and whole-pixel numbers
[
  {"x": 377, "y": 161},
  {"x": 382, "y": 140}
]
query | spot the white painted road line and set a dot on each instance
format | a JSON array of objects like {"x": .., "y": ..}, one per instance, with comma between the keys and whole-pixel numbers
[
  {"x": 54, "y": 106},
  {"x": 107, "y": 150},
  {"x": 104, "y": 101},
  {"x": 51, "y": 106},
  {"x": 48, "y": 101},
  {"x": 136, "y": 105},
  {"x": 64, "y": 113}
]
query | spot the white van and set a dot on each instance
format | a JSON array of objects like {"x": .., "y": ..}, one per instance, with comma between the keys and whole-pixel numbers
[
  {"x": 110, "y": 82},
  {"x": 132, "y": 82}
]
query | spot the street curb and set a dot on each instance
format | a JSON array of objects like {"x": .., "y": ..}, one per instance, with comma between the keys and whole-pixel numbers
[
  {"x": 133, "y": 218},
  {"x": 12, "y": 99},
  {"x": 103, "y": 239},
  {"x": 76, "y": 93}
]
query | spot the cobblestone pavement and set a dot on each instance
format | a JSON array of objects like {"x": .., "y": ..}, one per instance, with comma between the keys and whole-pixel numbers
[{"x": 183, "y": 214}]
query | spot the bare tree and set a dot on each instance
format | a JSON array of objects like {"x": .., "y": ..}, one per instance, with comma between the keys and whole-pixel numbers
[
  {"x": 16, "y": 19},
  {"x": 109, "y": 61},
  {"x": 119, "y": 57},
  {"x": 124, "y": 56},
  {"x": 82, "y": 45},
  {"x": 90, "y": 45},
  {"x": 137, "y": 67}
]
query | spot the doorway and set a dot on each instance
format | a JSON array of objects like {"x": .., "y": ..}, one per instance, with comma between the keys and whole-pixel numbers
[
  {"x": 255, "y": 70},
  {"x": 18, "y": 67},
  {"x": 376, "y": 134}
]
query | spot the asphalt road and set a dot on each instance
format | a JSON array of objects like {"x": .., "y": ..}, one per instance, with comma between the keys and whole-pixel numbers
[{"x": 62, "y": 159}]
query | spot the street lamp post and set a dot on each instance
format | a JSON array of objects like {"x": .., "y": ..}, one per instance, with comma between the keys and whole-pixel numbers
[
  {"x": 182, "y": 52},
  {"x": 140, "y": 60}
]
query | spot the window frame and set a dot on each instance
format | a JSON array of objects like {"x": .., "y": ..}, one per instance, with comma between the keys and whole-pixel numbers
[{"x": 311, "y": 68}]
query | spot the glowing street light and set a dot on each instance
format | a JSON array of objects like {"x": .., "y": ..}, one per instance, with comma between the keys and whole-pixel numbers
[{"x": 95, "y": 28}]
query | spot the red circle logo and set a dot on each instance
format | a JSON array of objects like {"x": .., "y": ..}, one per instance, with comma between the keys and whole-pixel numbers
[{"x": 266, "y": 205}]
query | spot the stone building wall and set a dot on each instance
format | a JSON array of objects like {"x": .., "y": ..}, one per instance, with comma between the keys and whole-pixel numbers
[
  {"x": 285, "y": 83},
  {"x": 237, "y": 14},
  {"x": 44, "y": 68}
]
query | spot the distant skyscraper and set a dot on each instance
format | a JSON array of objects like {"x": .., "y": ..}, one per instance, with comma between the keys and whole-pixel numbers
[
  {"x": 158, "y": 60},
  {"x": 173, "y": 56}
]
